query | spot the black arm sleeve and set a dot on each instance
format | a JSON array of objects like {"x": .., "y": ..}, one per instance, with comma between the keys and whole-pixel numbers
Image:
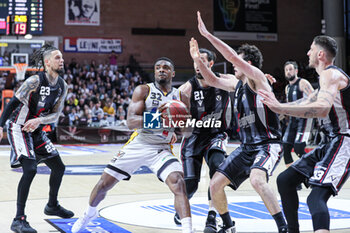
[{"x": 11, "y": 106}]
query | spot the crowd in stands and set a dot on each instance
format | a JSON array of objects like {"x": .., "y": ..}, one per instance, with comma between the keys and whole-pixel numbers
[{"x": 98, "y": 94}]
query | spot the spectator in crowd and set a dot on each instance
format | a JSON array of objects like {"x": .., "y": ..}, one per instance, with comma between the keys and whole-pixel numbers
[
  {"x": 124, "y": 83},
  {"x": 120, "y": 114},
  {"x": 96, "y": 110},
  {"x": 128, "y": 75},
  {"x": 109, "y": 108},
  {"x": 103, "y": 120},
  {"x": 113, "y": 60},
  {"x": 121, "y": 121},
  {"x": 73, "y": 116},
  {"x": 69, "y": 83},
  {"x": 68, "y": 75}
]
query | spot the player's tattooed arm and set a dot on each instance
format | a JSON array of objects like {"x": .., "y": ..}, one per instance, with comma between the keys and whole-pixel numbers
[
  {"x": 306, "y": 87},
  {"x": 28, "y": 86},
  {"x": 57, "y": 109},
  {"x": 318, "y": 103},
  {"x": 312, "y": 97}
]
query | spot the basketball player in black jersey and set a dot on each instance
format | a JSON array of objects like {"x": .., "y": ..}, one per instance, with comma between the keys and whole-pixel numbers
[
  {"x": 326, "y": 167},
  {"x": 298, "y": 129},
  {"x": 38, "y": 101},
  {"x": 209, "y": 143},
  {"x": 258, "y": 128}
]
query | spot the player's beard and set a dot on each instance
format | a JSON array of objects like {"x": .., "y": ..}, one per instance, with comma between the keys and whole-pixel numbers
[
  {"x": 60, "y": 72},
  {"x": 162, "y": 82},
  {"x": 291, "y": 78},
  {"x": 199, "y": 76}
]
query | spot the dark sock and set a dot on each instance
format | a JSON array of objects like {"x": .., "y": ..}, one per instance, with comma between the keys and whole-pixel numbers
[
  {"x": 226, "y": 219},
  {"x": 212, "y": 212},
  {"x": 279, "y": 219},
  {"x": 20, "y": 210}
]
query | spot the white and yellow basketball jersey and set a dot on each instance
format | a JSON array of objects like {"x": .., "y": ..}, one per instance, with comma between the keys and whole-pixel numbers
[{"x": 156, "y": 98}]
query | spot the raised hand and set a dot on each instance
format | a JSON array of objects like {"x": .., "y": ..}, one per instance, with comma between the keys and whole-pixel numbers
[
  {"x": 194, "y": 50},
  {"x": 201, "y": 26}
]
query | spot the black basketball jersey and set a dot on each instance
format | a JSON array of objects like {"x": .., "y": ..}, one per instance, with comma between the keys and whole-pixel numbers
[
  {"x": 338, "y": 119},
  {"x": 40, "y": 102},
  {"x": 256, "y": 123},
  {"x": 210, "y": 103},
  {"x": 294, "y": 93}
]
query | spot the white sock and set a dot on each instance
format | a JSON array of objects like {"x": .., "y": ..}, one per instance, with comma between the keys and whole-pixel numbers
[
  {"x": 186, "y": 225},
  {"x": 91, "y": 210}
]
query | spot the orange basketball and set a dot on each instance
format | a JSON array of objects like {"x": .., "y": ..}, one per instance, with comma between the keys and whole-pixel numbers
[{"x": 177, "y": 112}]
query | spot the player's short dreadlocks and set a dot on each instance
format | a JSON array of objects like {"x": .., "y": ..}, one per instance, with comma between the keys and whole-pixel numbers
[{"x": 39, "y": 56}]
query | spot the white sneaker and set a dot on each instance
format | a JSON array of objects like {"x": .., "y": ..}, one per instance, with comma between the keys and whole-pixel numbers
[
  {"x": 82, "y": 222},
  {"x": 231, "y": 230}
]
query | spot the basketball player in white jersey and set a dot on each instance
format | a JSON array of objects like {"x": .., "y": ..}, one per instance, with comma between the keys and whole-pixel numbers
[{"x": 146, "y": 147}]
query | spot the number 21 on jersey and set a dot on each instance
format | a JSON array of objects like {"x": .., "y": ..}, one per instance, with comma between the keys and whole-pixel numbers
[{"x": 198, "y": 95}]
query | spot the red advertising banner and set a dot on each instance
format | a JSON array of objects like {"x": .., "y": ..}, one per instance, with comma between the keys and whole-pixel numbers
[{"x": 73, "y": 134}]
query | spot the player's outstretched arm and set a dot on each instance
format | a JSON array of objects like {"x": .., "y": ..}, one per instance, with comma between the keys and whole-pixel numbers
[
  {"x": 137, "y": 107},
  {"x": 318, "y": 104},
  {"x": 228, "y": 83},
  {"x": 221, "y": 46},
  {"x": 251, "y": 72}
]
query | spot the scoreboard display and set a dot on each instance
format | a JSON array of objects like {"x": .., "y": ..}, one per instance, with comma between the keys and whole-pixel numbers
[{"x": 21, "y": 17}]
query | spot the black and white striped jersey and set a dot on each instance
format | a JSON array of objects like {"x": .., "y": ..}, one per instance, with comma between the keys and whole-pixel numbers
[
  {"x": 210, "y": 103},
  {"x": 256, "y": 123},
  {"x": 41, "y": 102},
  {"x": 294, "y": 93}
]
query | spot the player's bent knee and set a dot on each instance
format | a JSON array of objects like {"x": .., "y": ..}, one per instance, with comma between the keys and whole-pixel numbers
[
  {"x": 30, "y": 172},
  {"x": 257, "y": 182},
  {"x": 218, "y": 182},
  {"x": 59, "y": 169},
  {"x": 178, "y": 187},
  {"x": 258, "y": 178}
]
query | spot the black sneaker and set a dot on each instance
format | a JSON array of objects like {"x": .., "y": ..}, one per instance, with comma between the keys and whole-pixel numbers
[
  {"x": 283, "y": 230},
  {"x": 177, "y": 219},
  {"x": 231, "y": 229},
  {"x": 299, "y": 187},
  {"x": 20, "y": 225},
  {"x": 210, "y": 224},
  {"x": 58, "y": 211}
]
